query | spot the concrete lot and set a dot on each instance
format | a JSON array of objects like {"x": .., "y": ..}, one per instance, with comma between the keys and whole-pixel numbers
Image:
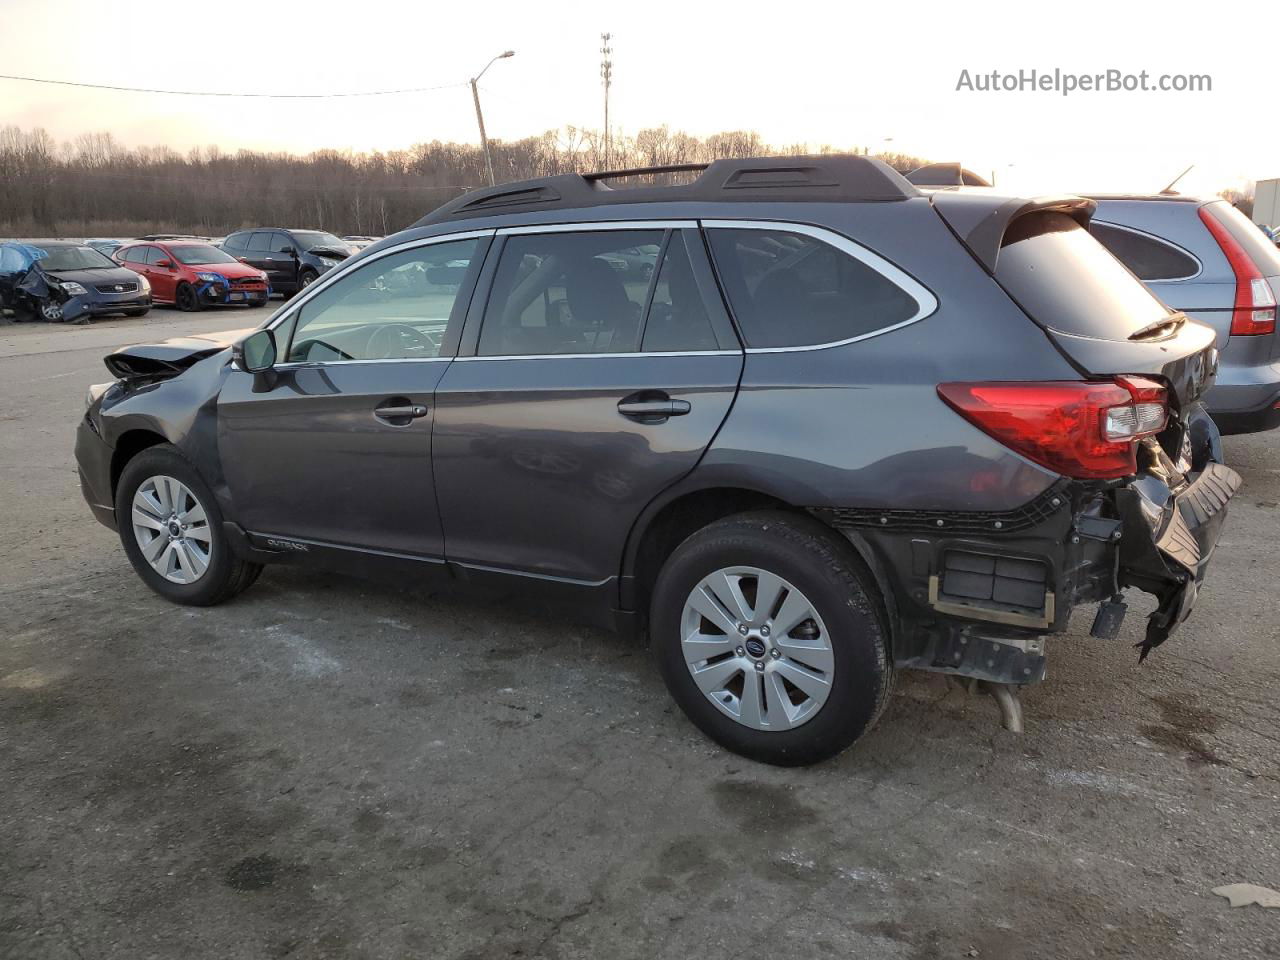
[{"x": 328, "y": 767}]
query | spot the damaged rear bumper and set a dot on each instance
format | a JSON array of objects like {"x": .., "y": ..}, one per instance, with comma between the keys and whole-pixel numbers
[
  {"x": 974, "y": 595},
  {"x": 1169, "y": 540}
]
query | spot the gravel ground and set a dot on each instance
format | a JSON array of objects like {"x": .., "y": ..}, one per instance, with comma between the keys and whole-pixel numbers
[{"x": 328, "y": 767}]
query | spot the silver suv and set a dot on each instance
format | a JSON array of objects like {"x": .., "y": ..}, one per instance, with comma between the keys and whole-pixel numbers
[{"x": 1205, "y": 258}]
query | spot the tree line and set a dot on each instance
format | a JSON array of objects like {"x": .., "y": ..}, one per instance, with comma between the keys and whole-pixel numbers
[{"x": 93, "y": 185}]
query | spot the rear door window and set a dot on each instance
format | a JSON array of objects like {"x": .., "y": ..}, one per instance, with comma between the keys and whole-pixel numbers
[
  {"x": 1067, "y": 281},
  {"x": 1150, "y": 258},
  {"x": 790, "y": 289}
]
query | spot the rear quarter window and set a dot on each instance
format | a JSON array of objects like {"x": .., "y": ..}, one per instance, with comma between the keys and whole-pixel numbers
[
  {"x": 1067, "y": 281},
  {"x": 1149, "y": 257},
  {"x": 789, "y": 289}
]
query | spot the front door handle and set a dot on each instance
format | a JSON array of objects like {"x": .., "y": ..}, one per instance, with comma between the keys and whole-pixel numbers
[
  {"x": 399, "y": 412},
  {"x": 652, "y": 407}
]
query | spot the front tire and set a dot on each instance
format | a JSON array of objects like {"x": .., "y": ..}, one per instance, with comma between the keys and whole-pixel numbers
[
  {"x": 306, "y": 278},
  {"x": 171, "y": 530},
  {"x": 186, "y": 298},
  {"x": 771, "y": 636}
]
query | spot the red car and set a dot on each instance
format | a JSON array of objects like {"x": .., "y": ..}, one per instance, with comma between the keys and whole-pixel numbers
[{"x": 193, "y": 275}]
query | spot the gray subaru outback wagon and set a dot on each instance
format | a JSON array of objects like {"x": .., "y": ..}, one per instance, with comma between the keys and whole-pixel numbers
[{"x": 839, "y": 427}]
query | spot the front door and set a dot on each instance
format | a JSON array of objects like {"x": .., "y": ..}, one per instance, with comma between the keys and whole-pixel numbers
[
  {"x": 163, "y": 280},
  {"x": 603, "y": 366},
  {"x": 333, "y": 446}
]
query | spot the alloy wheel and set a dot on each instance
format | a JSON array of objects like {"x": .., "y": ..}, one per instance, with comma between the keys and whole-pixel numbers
[
  {"x": 172, "y": 529},
  {"x": 51, "y": 310},
  {"x": 757, "y": 648}
]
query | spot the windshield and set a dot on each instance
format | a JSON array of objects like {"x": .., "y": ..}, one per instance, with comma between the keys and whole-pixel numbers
[
  {"x": 200, "y": 253},
  {"x": 75, "y": 258},
  {"x": 1067, "y": 281},
  {"x": 310, "y": 239}
]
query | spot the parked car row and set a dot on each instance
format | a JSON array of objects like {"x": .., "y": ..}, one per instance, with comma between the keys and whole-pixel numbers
[
  {"x": 188, "y": 272},
  {"x": 798, "y": 422}
]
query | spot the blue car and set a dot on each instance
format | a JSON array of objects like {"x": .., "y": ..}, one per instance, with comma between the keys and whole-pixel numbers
[{"x": 63, "y": 281}]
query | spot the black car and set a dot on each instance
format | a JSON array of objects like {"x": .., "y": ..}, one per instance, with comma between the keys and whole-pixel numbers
[
  {"x": 65, "y": 281},
  {"x": 840, "y": 427},
  {"x": 292, "y": 259}
]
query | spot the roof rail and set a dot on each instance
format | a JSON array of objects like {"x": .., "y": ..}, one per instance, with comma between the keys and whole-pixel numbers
[{"x": 831, "y": 177}]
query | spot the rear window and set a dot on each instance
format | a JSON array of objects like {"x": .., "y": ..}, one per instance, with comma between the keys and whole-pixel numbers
[
  {"x": 1150, "y": 258},
  {"x": 1067, "y": 281},
  {"x": 1261, "y": 251}
]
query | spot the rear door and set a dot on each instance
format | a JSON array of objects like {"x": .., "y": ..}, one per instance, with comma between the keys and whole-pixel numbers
[{"x": 588, "y": 382}]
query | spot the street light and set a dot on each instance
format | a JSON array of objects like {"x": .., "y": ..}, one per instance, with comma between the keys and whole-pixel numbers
[{"x": 475, "y": 95}]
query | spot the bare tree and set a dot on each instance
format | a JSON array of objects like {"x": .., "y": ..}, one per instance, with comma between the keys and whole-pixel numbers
[{"x": 94, "y": 186}]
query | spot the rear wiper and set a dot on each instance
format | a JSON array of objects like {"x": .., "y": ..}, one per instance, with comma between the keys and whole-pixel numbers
[{"x": 1164, "y": 327}]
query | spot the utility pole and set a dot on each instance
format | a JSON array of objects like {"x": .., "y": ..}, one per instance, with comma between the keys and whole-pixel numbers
[
  {"x": 606, "y": 77},
  {"x": 475, "y": 95}
]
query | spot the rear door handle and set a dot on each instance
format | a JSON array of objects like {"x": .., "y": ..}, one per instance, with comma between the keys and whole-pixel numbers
[{"x": 653, "y": 410}]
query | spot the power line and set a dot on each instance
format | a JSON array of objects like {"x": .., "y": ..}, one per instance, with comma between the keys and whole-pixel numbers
[{"x": 210, "y": 93}]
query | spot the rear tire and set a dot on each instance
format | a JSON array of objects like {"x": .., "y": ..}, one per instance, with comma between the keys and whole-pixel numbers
[
  {"x": 163, "y": 468},
  {"x": 838, "y": 651}
]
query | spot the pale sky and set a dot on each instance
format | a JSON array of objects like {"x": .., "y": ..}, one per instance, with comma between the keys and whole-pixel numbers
[{"x": 844, "y": 73}]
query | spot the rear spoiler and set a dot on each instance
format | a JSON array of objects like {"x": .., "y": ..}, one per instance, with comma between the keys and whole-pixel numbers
[{"x": 980, "y": 220}]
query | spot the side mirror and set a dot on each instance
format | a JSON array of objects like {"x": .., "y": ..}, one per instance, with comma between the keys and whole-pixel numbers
[
  {"x": 256, "y": 353},
  {"x": 290, "y": 251},
  {"x": 168, "y": 264}
]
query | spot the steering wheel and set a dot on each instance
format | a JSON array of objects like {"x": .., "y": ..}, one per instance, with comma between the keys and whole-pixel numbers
[{"x": 399, "y": 341}]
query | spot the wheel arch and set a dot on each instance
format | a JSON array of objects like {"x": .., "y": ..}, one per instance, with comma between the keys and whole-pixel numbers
[
  {"x": 129, "y": 444},
  {"x": 683, "y": 510}
]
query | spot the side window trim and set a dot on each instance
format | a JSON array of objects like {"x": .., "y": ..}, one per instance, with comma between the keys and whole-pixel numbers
[
  {"x": 1162, "y": 242},
  {"x": 721, "y": 324},
  {"x": 653, "y": 287},
  {"x": 926, "y": 302},
  {"x": 288, "y": 317}
]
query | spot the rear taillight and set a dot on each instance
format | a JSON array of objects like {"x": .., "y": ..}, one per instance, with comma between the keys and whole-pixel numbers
[
  {"x": 1254, "y": 311},
  {"x": 1086, "y": 430}
]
